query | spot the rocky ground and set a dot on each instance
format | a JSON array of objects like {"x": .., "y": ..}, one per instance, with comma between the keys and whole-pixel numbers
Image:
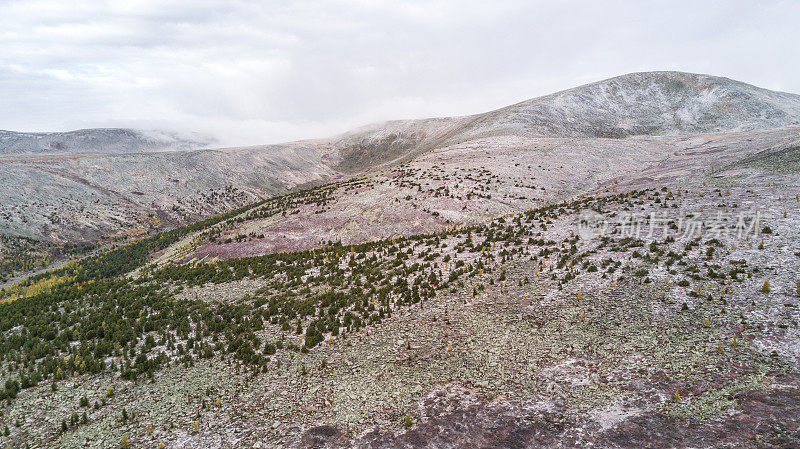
[{"x": 473, "y": 182}]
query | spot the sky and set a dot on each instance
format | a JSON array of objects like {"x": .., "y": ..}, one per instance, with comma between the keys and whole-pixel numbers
[{"x": 272, "y": 71}]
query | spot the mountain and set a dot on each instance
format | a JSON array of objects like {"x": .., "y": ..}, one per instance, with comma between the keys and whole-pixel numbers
[
  {"x": 98, "y": 141},
  {"x": 646, "y": 103},
  {"x": 649, "y": 103},
  {"x": 91, "y": 184},
  {"x": 84, "y": 197},
  {"x": 586, "y": 269}
]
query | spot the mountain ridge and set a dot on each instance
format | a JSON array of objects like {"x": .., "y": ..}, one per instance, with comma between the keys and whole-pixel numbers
[
  {"x": 87, "y": 191},
  {"x": 638, "y": 103}
]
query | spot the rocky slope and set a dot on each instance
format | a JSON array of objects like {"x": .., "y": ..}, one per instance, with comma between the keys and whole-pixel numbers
[
  {"x": 516, "y": 331},
  {"x": 85, "y": 197}
]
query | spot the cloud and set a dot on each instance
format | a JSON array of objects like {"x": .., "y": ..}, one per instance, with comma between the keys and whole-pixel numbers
[{"x": 257, "y": 72}]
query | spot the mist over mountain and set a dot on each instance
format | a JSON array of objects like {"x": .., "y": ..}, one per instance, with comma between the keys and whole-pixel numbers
[
  {"x": 99, "y": 141},
  {"x": 643, "y": 103}
]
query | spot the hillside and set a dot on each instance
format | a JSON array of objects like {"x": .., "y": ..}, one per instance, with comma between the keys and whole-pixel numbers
[
  {"x": 587, "y": 269},
  {"x": 378, "y": 312}
]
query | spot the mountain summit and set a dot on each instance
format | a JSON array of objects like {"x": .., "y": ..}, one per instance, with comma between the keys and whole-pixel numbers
[
  {"x": 647, "y": 103},
  {"x": 643, "y": 103}
]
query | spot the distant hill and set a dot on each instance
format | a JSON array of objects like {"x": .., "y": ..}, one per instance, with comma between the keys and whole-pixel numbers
[
  {"x": 646, "y": 103},
  {"x": 649, "y": 103},
  {"x": 99, "y": 141}
]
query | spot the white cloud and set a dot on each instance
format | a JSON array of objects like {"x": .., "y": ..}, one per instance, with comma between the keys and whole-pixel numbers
[{"x": 256, "y": 72}]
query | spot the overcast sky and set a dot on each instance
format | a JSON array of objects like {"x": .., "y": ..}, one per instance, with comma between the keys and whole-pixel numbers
[{"x": 270, "y": 71}]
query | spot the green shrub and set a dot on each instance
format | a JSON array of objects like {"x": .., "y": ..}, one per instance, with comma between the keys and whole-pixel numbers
[{"x": 408, "y": 421}]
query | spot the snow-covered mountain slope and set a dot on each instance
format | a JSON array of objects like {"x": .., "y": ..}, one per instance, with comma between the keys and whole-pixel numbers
[
  {"x": 650, "y": 103},
  {"x": 647, "y": 103}
]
